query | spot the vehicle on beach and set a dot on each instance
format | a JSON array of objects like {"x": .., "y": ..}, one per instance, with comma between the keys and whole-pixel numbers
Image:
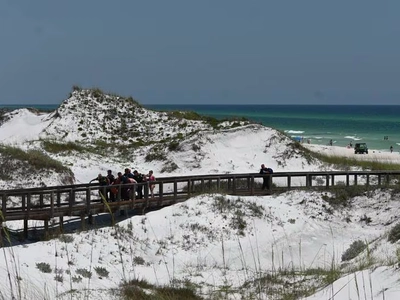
[{"x": 360, "y": 148}]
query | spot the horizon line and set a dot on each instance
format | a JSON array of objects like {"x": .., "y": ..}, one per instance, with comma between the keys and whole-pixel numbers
[{"x": 213, "y": 104}]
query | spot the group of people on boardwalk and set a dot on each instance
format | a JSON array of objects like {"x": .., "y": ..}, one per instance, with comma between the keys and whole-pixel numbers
[{"x": 110, "y": 184}]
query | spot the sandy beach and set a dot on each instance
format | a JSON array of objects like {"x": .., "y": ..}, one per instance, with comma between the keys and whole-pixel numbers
[{"x": 373, "y": 155}]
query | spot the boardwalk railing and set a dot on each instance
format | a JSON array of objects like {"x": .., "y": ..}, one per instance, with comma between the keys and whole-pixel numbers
[{"x": 83, "y": 200}]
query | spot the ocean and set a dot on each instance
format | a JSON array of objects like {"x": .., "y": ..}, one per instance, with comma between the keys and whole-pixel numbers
[
  {"x": 376, "y": 125},
  {"x": 318, "y": 123}
]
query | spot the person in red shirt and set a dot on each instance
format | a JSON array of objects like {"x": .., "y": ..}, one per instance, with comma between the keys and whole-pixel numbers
[{"x": 150, "y": 177}]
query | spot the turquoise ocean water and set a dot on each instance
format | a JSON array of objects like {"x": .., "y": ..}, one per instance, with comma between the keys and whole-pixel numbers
[{"x": 319, "y": 123}]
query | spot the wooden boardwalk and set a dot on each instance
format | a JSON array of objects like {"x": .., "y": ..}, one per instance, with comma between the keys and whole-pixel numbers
[{"x": 83, "y": 200}]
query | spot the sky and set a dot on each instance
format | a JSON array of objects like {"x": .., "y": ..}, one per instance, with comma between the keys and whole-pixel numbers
[
  {"x": 202, "y": 52},
  {"x": 194, "y": 241}
]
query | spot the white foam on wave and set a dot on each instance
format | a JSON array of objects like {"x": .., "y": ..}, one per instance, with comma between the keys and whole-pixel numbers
[
  {"x": 294, "y": 131},
  {"x": 353, "y": 138}
]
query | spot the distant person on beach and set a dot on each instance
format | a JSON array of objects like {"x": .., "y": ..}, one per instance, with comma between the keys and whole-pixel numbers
[
  {"x": 351, "y": 144},
  {"x": 330, "y": 142},
  {"x": 391, "y": 149},
  {"x": 266, "y": 179}
]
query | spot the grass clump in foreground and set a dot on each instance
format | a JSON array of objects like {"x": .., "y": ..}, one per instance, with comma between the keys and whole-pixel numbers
[
  {"x": 290, "y": 284},
  {"x": 143, "y": 290}
]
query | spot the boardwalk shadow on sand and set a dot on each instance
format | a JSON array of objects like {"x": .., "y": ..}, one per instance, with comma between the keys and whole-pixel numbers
[{"x": 14, "y": 237}]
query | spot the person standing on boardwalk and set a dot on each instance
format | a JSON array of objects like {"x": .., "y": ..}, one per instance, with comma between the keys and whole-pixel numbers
[
  {"x": 111, "y": 179},
  {"x": 150, "y": 177},
  {"x": 139, "y": 179},
  {"x": 266, "y": 179},
  {"x": 103, "y": 182}
]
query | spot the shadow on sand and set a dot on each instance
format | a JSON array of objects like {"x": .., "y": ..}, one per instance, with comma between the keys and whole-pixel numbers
[{"x": 12, "y": 237}]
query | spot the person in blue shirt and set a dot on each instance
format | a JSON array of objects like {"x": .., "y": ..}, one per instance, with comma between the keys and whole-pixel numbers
[{"x": 266, "y": 179}]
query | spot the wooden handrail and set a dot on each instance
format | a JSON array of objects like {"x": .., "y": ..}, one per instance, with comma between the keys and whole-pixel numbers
[{"x": 83, "y": 200}]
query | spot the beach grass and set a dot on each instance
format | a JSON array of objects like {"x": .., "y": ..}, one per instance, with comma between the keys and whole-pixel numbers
[
  {"x": 284, "y": 281},
  {"x": 34, "y": 158}
]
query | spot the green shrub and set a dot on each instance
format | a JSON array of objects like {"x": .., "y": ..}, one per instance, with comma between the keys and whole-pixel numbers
[
  {"x": 394, "y": 234},
  {"x": 131, "y": 100},
  {"x": 138, "y": 260},
  {"x": 76, "y": 279},
  {"x": 84, "y": 273},
  {"x": 174, "y": 146},
  {"x": 101, "y": 272},
  {"x": 97, "y": 93},
  {"x": 355, "y": 249},
  {"x": 195, "y": 147},
  {"x": 43, "y": 267},
  {"x": 76, "y": 88},
  {"x": 66, "y": 238},
  {"x": 168, "y": 168},
  {"x": 155, "y": 156}
]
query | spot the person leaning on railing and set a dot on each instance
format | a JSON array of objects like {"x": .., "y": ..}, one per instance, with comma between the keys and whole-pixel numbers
[
  {"x": 103, "y": 181},
  {"x": 266, "y": 179}
]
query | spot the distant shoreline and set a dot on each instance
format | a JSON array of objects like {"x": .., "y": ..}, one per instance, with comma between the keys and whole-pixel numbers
[{"x": 373, "y": 155}]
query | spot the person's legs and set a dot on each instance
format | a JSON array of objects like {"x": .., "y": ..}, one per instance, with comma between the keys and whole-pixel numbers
[
  {"x": 140, "y": 191},
  {"x": 264, "y": 185},
  {"x": 152, "y": 191},
  {"x": 124, "y": 193},
  {"x": 268, "y": 182},
  {"x": 111, "y": 195}
]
